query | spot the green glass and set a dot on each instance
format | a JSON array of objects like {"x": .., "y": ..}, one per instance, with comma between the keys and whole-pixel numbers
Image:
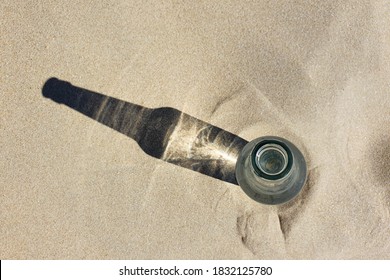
[{"x": 271, "y": 170}]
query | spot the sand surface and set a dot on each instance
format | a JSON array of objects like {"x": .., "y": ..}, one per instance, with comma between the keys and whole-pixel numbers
[{"x": 316, "y": 73}]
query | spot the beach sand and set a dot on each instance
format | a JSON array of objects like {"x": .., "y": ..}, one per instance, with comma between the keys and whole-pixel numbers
[{"x": 316, "y": 73}]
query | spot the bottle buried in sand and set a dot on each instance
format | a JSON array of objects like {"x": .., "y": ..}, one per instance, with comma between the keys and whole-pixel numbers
[{"x": 269, "y": 171}]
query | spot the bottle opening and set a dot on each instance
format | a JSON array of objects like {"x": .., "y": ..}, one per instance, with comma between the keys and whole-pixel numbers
[{"x": 271, "y": 159}]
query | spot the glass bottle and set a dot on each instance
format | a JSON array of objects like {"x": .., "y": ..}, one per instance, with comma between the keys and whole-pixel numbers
[{"x": 271, "y": 170}]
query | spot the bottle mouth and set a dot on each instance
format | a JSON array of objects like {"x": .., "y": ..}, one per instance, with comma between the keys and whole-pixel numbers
[{"x": 272, "y": 160}]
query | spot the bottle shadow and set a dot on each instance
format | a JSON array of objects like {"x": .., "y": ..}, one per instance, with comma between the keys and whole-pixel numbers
[{"x": 163, "y": 133}]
